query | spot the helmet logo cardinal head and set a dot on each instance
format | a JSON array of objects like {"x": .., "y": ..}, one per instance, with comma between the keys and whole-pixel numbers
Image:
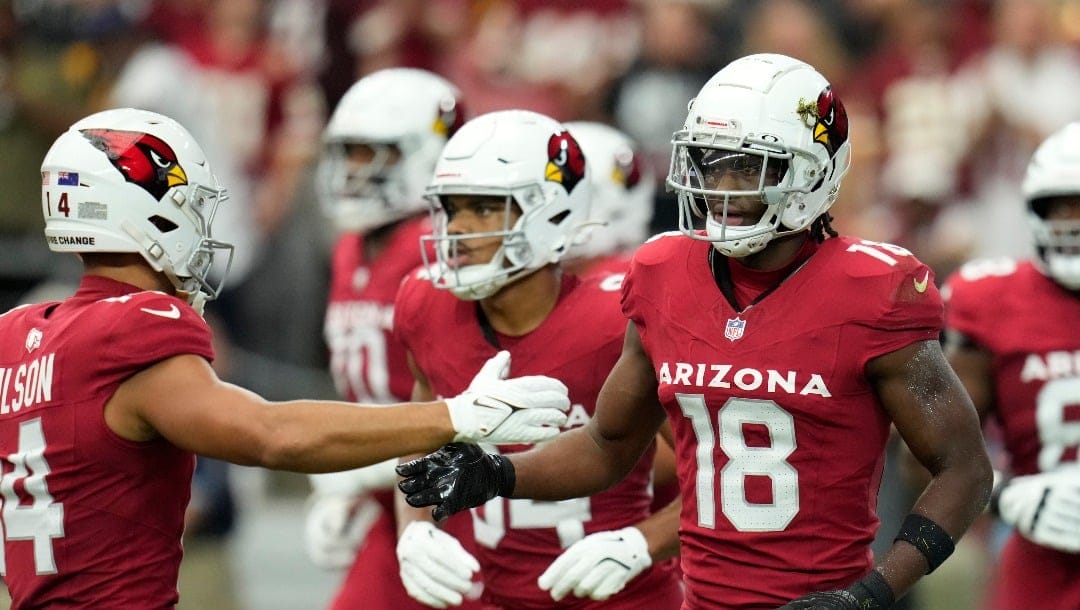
[
  {"x": 827, "y": 118},
  {"x": 566, "y": 162},
  {"x": 143, "y": 159}
]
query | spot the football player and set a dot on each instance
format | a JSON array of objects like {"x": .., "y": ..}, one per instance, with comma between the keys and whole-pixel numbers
[
  {"x": 379, "y": 151},
  {"x": 511, "y": 193},
  {"x": 106, "y": 397},
  {"x": 1011, "y": 335},
  {"x": 781, "y": 352}
]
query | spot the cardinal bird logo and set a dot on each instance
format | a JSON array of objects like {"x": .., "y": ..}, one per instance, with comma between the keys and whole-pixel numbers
[
  {"x": 143, "y": 159},
  {"x": 566, "y": 162},
  {"x": 828, "y": 119}
]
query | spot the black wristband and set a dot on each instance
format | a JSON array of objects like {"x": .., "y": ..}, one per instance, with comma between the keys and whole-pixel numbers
[
  {"x": 507, "y": 477},
  {"x": 930, "y": 538},
  {"x": 873, "y": 592}
]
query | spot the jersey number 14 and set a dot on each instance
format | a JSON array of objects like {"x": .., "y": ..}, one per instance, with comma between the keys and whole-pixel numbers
[{"x": 42, "y": 519}]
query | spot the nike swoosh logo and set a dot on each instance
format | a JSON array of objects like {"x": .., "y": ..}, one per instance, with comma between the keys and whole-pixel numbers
[
  {"x": 920, "y": 286},
  {"x": 172, "y": 313}
]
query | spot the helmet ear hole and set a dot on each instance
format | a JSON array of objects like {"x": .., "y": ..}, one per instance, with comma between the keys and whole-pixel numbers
[
  {"x": 558, "y": 218},
  {"x": 163, "y": 224}
]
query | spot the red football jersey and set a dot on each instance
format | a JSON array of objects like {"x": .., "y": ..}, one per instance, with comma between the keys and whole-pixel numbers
[
  {"x": 90, "y": 520},
  {"x": 607, "y": 266},
  {"x": 367, "y": 363},
  {"x": 1028, "y": 324},
  {"x": 779, "y": 437},
  {"x": 516, "y": 540}
]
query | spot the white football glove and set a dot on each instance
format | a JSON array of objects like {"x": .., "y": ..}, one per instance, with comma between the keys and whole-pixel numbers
[
  {"x": 335, "y": 526},
  {"x": 1045, "y": 508},
  {"x": 598, "y": 566},
  {"x": 498, "y": 410},
  {"x": 435, "y": 569}
]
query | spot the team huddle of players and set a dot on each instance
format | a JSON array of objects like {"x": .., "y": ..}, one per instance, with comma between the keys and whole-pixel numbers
[{"x": 694, "y": 420}]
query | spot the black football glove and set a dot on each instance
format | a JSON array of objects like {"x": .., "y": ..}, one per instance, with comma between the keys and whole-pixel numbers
[
  {"x": 871, "y": 592},
  {"x": 825, "y": 600},
  {"x": 456, "y": 477}
]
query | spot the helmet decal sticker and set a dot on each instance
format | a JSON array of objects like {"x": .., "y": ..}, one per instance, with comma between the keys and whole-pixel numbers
[
  {"x": 450, "y": 117},
  {"x": 566, "y": 162},
  {"x": 627, "y": 171},
  {"x": 827, "y": 117},
  {"x": 143, "y": 159}
]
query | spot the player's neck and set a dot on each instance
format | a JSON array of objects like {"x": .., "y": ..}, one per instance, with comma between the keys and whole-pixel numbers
[
  {"x": 522, "y": 306},
  {"x": 376, "y": 240},
  {"x": 778, "y": 253},
  {"x": 127, "y": 268}
]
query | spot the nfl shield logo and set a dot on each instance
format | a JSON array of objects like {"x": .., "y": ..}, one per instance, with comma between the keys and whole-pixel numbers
[{"x": 734, "y": 329}]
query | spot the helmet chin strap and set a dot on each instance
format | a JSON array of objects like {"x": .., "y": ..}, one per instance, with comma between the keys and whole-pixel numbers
[{"x": 196, "y": 299}]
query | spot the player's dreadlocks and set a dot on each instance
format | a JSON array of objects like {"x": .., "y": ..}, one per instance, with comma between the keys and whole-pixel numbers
[{"x": 821, "y": 227}]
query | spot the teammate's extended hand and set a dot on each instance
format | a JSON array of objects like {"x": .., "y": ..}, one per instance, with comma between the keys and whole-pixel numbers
[
  {"x": 598, "y": 566},
  {"x": 435, "y": 569},
  {"x": 495, "y": 409},
  {"x": 1045, "y": 508},
  {"x": 456, "y": 477}
]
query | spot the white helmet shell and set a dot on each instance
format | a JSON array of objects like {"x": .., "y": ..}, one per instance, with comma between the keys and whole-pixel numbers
[
  {"x": 1054, "y": 171},
  {"x": 410, "y": 110},
  {"x": 623, "y": 188},
  {"x": 532, "y": 161},
  {"x": 777, "y": 108},
  {"x": 127, "y": 180}
]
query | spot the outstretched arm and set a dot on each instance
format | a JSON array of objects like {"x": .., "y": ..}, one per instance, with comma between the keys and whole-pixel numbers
[
  {"x": 590, "y": 459},
  {"x": 577, "y": 463},
  {"x": 183, "y": 400}
]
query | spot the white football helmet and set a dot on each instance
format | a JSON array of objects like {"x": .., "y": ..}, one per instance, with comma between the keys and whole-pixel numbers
[
  {"x": 769, "y": 115},
  {"x": 1054, "y": 171},
  {"x": 127, "y": 180},
  {"x": 623, "y": 187},
  {"x": 533, "y": 162},
  {"x": 404, "y": 110}
]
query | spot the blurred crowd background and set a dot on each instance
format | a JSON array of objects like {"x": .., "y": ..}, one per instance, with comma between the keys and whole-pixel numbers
[{"x": 947, "y": 100}]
